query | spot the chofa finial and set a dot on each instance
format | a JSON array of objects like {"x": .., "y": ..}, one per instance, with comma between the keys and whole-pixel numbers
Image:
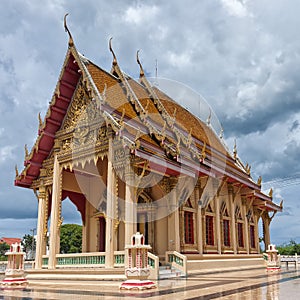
[
  {"x": 17, "y": 171},
  {"x": 142, "y": 73},
  {"x": 71, "y": 42},
  {"x": 113, "y": 53},
  {"x": 271, "y": 193},
  {"x": 259, "y": 180},
  {"x": 234, "y": 149}
]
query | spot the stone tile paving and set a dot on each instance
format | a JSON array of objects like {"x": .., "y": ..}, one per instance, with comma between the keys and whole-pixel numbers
[{"x": 255, "y": 284}]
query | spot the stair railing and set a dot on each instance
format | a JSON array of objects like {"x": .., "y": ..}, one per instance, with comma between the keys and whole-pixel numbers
[{"x": 177, "y": 260}]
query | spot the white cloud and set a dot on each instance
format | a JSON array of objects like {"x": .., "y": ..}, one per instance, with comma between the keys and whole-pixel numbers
[
  {"x": 235, "y": 8},
  {"x": 140, "y": 14},
  {"x": 6, "y": 153}
]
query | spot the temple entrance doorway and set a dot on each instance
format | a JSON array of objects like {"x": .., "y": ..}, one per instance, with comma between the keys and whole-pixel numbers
[
  {"x": 101, "y": 235},
  {"x": 146, "y": 219},
  {"x": 143, "y": 226}
]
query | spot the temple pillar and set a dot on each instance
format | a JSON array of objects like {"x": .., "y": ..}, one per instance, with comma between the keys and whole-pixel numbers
[
  {"x": 247, "y": 244},
  {"x": 266, "y": 229},
  {"x": 56, "y": 220},
  {"x": 41, "y": 227},
  {"x": 130, "y": 205},
  {"x": 218, "y": 225},
  {"x": 110, "y": 210},
  {"x": 233, "y": 221},
  {"x": 199, "y": 221},
  {"x": 173, "y": 217}
]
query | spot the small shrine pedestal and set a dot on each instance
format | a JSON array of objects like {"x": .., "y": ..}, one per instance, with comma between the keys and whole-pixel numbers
[
  {"x": 273, "y": 262},
  {"x": 14, "y": 273},
  {"x": 137, "y": 271}
]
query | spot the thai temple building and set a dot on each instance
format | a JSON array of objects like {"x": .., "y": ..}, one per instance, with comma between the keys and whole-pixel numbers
[{"x": 131, "y": 159}]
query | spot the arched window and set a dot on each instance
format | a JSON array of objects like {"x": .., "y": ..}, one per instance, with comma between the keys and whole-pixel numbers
[
  {"x": 225, "y": 224},
  {"x": 251, "y": 228},
  {"x": 209, "y": 226},
  {"x": 240, "y": 227},
  {"x": 188, "y": 215}
]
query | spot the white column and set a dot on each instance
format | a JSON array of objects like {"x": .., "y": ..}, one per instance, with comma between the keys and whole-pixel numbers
[
  {"x": 173, "y": 217},
  {"x": 130, "y": 206},
  {"x": 41, "y": 227},
  {"x": 233, "y": 221},
  {"x": 199, "y": 221},
  {"x": 55, "y": 221},
  {"x": 246, "y": 226},
  {"x": 110, "y": 210}
]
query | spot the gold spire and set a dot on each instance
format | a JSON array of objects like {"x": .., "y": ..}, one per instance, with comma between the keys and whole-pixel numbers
[
  {"x": 259, "y": 180},
  {"x": 71, "y": 42},
  {"x": 174, "y": 113},
  {"x": 271, "y": 193},
  {"x": 17, "y": 171},
  {"x": 142, "y": 73},
  {"x": 113, "y": 53},
  {"x": 234, "y": 150},
  {"x": 26, "y": 151},
  {"x": 40, "y": 121}
]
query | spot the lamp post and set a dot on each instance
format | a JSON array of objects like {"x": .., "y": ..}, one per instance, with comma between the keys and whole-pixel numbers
[{"x": 32, "y": 245}]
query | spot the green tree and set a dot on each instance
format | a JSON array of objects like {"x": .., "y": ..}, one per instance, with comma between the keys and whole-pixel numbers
[
  {"x": 70, "y": 238},
  {"x": 28, "y": 242},
  {"x": 3, "y": 248},
  {"x": 289, "y": 249}
]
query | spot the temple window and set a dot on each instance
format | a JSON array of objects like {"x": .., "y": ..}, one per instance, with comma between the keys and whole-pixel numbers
[
  {"x": 226, "y": 232},
  {"x": 240, "y": 227},
  {"x": 189, "y": 227},
  {"x": 252, "y": 236},
  {"x": 226, "y": 224},
  {"x": 240, "y": 234},
  {"x": 209, "y": 222}
]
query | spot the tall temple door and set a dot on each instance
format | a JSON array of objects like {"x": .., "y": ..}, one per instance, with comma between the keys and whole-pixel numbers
[
  {"x": 102, "y": 230},
  {"x": 143, "y": 226}
]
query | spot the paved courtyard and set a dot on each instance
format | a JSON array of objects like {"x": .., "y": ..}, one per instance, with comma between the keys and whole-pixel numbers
[{"x": 245, "y": 284}]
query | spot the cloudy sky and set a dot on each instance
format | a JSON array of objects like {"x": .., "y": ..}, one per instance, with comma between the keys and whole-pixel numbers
[{"x": 242, "y": 56}]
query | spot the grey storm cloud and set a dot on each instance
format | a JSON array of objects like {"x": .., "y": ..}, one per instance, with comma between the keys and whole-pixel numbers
[{"x": 243, "y": 57}]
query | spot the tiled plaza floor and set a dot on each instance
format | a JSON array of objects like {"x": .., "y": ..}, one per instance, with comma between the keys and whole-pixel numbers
[{"x": 245, "y": 284}]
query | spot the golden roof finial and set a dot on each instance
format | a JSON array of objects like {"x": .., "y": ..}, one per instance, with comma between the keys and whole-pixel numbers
[
  {"x": 121, "y": 122},
  {"x": 17, "y": 171},
  {"x": 174, "y": 113},
  {"x": 281, "y": 204},
  {"x": 26, "y": 151},
  {"x": 71, "y": 42},
  {"x": 271, "y": 193},
  {"x": 113, "y": 53},
  {"x": 142, "y": 73},
  {"x": 40, "y": 121},
  {"x": 234, "y": 149},
  {"x": 209, "y": 117},
  {"x": 259, "y": 180}
]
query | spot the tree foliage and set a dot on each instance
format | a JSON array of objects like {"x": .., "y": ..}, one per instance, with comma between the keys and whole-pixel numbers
[
  {"x": 289, "y": 249},
  {"x": 4, "y": 247},
  {"x": 28, "y": 242},
  {"x": 70, "y": 238}
]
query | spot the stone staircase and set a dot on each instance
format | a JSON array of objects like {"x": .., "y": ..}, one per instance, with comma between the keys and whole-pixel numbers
[{"x": 168, "y": 272}]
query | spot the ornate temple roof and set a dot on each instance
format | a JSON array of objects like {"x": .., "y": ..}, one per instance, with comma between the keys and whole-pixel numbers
[{"x": 147, "y": 120}]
